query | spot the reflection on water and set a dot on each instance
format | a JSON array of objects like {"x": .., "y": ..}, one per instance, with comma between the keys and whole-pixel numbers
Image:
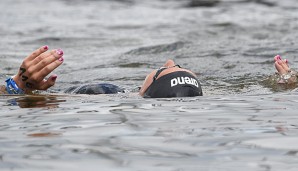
[{"x": 32, "y": 101}]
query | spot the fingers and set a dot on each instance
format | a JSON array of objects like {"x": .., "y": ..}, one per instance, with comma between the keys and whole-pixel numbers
[
  {"x": 28, "y": 61},
  {"x": 36, "y": 53},
  {"x": 279, "y": 68},
  {"x": 44, "y": 60},
  {"x": 50, "y": 67},
  {"x": 45, "y": 84},
  {"x": 277, "y": 57},
  {"x": 46, "y": 66},
  {"x": 281, "y": 65}
]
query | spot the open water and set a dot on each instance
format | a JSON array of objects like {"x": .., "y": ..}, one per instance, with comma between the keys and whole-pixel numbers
[{"x": 241, "y": 123}]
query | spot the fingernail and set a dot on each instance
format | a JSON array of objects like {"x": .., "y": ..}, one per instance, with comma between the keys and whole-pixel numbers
[
  {"x": 61, "y": 59},
  {"x": 286, "y": 61},
  {"x": 54, "y": 77},
  {"x": 59, "y": 52},
  {"x": 46, "y": 47},
  {"x": 278, "y": 57}
]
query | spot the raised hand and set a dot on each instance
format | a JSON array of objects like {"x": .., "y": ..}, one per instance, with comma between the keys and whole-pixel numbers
[
  {"x": 36, "y": 67},
  {"x": 287, "y": 75}
]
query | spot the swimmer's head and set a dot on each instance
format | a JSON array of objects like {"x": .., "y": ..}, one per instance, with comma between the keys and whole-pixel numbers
[
  {"x": 103, "y": 88},
  {"x": 171, "y": 81}
]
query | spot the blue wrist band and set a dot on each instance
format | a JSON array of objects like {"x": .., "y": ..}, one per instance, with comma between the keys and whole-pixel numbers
[{"x": 12, "y": 87}]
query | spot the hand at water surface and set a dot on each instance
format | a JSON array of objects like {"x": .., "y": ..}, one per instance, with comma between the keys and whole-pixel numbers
[
  {"x": 286, "y": 74},
  {"x": 36, "y": 67}
]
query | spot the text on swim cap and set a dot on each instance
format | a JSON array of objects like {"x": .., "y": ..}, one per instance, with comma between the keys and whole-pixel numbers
[{"x": 184, "y": 80}]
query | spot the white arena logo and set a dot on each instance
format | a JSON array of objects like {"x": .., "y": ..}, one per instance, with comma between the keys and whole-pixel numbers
[{"x": 184, "y": 80}]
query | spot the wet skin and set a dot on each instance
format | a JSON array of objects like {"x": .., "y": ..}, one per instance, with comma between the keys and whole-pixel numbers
[
  {"x": 36, "y": 67},
  {"x": 283, "y": 68}
]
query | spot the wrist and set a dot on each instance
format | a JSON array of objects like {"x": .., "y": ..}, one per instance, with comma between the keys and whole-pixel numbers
[
  {"x": 21, "y": 84},
  {"x": 288, "y": 78},
  {"x": 12, "y": 87}
]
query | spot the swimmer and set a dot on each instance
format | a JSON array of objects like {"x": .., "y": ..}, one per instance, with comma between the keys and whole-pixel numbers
[
  {"x": 168, "y": 81},
  {"x": 33, "y": 70},
  {"x": 284, "y": 75},
  {"x": 171, "y": 81}
]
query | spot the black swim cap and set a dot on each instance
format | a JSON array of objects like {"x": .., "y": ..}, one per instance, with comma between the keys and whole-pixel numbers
[
  {"x": 102, "y": 88},
  {"x": 175, "y": 84}
]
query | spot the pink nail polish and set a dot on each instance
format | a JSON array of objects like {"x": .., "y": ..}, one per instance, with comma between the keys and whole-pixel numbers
[
  {"x": 278, "y": 57},
  {"x": 54, "y": 77},
  {"x": 59, "y": 52},
  {"x": 46, "y": 47},
  {"x": 61, "y": 59},
  {"x": 286, "y": 61}
]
